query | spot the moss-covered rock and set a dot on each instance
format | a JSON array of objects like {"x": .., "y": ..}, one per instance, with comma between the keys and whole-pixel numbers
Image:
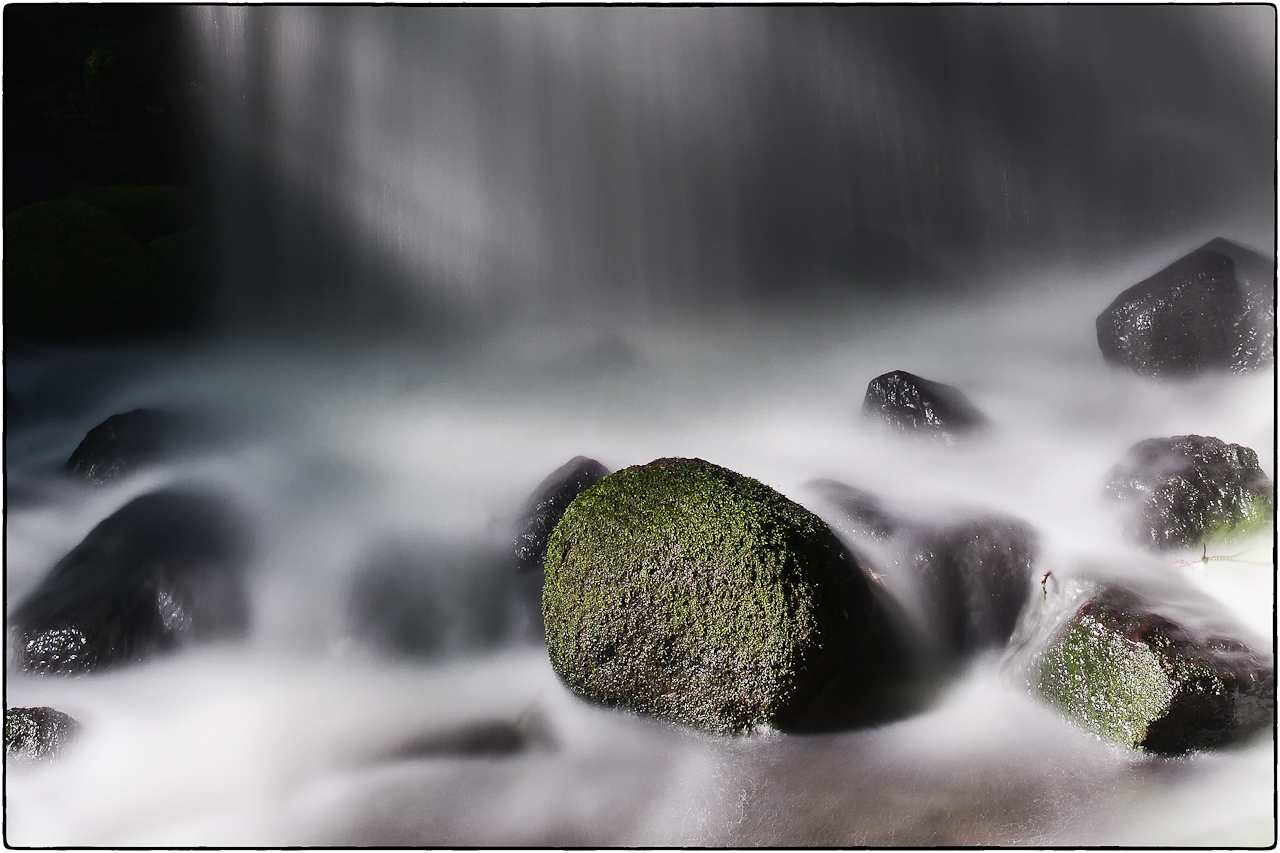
[
  {"x": 1141, "y": 680},
  {"x": 1188, "y": 489},
  {"x": 685, "y": 590},
  {"x": 76, "y": 271},
  {"x": 34, "y": 734}
]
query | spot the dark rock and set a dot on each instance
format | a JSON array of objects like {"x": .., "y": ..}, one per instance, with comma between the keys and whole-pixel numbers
[
  {"x": 861, "y": 511},
  {"x": 1188, "y": 489},
  {"x": 542, "y": 513},
  {"x": 146, "y": 213},
  {"x": 1143, "y": 680},
  {"x": 688, "y": 591},
  {"x": 484, "y": 739},
  {"x": 122, "y": 444},
  {"x": 976, "y": 576},
  {"x": 966, "y": 581},
  {"x": 421, "y": 602},
  {"x": 163, "y": 571},
  {"x": 911, "y": 404},
  {"x": 37, "y": 733},
  {"x": 547, "y": 504},
  {"x": 1213, "y": 309}
]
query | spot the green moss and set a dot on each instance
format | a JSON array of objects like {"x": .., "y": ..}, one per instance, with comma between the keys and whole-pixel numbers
[
  {"x": 1111, "y": 685},
  {"x": 1250, "y": 515},
  {"x": 682, "y": 589}
]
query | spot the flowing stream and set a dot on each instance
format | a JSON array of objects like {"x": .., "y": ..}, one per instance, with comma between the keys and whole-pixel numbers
[
  {"x": 302, "y": 733},
  {"x": 458, "y": 247}
]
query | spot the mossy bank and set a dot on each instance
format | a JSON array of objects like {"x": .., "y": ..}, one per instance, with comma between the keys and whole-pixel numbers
[{"x": 685, "y": 590}]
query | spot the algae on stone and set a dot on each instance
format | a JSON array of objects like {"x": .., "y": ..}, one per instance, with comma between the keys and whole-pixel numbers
[
  {"x": 1188, "y": 489},
  {"x": 1143, "y": 681},
  {"x": 685, "y": 590}
]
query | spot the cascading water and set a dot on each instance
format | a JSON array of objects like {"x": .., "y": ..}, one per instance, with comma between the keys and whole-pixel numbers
[{"x": 461, "y": 246}]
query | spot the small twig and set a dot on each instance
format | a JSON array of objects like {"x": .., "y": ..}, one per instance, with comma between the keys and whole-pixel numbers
[{"x": 1206, "y": 557}]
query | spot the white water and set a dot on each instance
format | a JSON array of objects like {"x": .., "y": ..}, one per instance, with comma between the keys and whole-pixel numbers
[{"x": 283, "y": 739}]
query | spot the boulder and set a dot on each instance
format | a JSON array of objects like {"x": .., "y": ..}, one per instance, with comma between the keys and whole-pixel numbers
[
  {"x": 965, "y": 580},
  {"x": 165, "y": 570},
  {"x": 1188, "y": 489},
  {"x": 37, "y": 733},
  {"x": 1212, "y": 309},
  {"x": 542, "y": 513},
  {"x": 418, "y": 601},
  {"x": 122, "y": 444},
  {"x": 687, "y": 591},
  {"x": 1143, "y": 680},
  {"x": 910, "y": 404},
  {"x": 975, "y": 576}
]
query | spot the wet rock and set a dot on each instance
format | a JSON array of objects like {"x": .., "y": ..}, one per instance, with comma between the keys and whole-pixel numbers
[
  {"x": 420, "y": 601},
  {"x": 1143, "y": 680},
  {"x": 164, "y": 570},
  {"x": 547, "y": 504},
  {"x": 122, "y": 444},
  {"x": 1187, "y": 489},
  {"x": 482, "y": 739},
  {"x": 685, "y": 590},
  {"x": 1212, "y": 309},
  {"x": 911, "y": 404},
  {"x": 966, "y": 581},
  {"x": 542, "y": 513},
  {"x": 861, "y": 512},
  {"x": 37, "y": 733},
  {"x": 976, "y": 576}
]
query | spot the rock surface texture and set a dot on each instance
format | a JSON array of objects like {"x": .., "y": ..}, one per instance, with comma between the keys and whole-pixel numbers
[
  {"x": 1213, "y": 309},
  {"x": 1142, "y": 680},
  {"x": 976, "y": 575},
  {"x": 37, "y": 733},
  {"x": 547, "y": 504},
  {"x": 1187, "y": 489},
  {"x": 121, "y": 444},
  {"x": 911, "y": 404},
  {"x": 164, "y": 570},
  {"x": 685, "y": 590}
]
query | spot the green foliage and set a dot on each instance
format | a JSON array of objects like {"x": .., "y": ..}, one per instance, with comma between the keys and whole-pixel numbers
[{"x": 684, "y": 590}]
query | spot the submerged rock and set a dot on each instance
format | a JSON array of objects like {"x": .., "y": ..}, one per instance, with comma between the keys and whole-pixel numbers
[
  {"x": 426, "y": 601},
  {"x": 1142, "y": 680},
  {"x": 37, "y": 733},
  {"x": 966, "y": 581},
  {"x": 164, "y": 570},
  {"x": 547, "y": 504},
  {"x": 1213, "y": 309},
  {"x": 1187, "y": 489},
  {"x": 911, "y": 404},
  {"x": 685, "y": 590},
  {"x": 976, "y": 576},
  {"x": 122, "y": 444}
]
